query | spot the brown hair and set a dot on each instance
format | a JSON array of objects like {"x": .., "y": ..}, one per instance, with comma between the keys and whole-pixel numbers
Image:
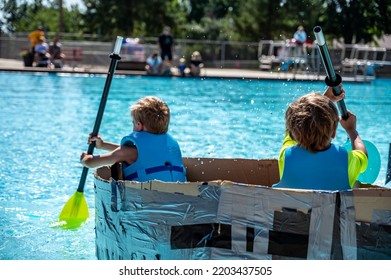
[
  {"x": 311, "y": 121},
  {"x": 153, "y": 113}
]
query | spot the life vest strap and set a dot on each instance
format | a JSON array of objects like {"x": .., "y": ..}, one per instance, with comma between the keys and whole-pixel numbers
[{"x": 156, "y": 169}]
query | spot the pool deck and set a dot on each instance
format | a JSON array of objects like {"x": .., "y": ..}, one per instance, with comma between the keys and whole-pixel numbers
[{"x": 12, "y": 65}]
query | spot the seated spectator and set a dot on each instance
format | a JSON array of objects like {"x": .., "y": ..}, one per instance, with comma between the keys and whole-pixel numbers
[
  {"x": 166, "y": 68},
  {"x": 299, "y": 38},
  {"x": 56, "y": 55},
  {"x": 41, "y": 56},
  {"x": 196, "y": 64},
  {"x": 154, "y": 65},
  {"x": 182, "y": 67}
]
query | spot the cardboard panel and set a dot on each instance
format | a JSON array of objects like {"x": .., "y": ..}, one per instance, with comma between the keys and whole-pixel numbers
[
  {"x": 135, "y": 223},
  {"x": 224, "y": 219},
  {"x": 285, "y": 223},
  {"x": 366, "y": 223},
  {"x": 366, "y": 201},
  {"x": 256, "y": 172}
]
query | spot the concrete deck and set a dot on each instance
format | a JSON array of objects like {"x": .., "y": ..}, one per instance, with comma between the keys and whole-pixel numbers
[{"x": 12, "y": 65}]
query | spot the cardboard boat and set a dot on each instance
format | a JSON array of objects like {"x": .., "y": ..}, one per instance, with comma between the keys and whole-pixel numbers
[{"x": 227, "y": 210}]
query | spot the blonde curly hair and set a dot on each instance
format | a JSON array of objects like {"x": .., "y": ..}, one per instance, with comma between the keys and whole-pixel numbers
[
  {"x": 311, "y": 121},
  {"x": 153, "y": 113}
]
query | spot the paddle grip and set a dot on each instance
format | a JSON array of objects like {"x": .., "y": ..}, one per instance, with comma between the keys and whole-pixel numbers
[{"x": 332, "y": 79}]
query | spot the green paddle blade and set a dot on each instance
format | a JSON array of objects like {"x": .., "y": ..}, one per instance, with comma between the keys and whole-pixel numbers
[
  {"x": 374, "y": 162},
  {"x": 75, "y": 212}
]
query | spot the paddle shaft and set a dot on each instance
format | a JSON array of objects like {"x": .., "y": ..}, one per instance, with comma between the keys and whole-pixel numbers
[
  {"x": 333, "y": 80},
  {"x": 115, "y": 57}
]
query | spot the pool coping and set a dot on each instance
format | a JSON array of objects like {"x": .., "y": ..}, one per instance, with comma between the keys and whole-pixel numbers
[{"x": 10, "y": 65}]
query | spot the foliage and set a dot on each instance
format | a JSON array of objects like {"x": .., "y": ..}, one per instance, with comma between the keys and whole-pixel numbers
[
  {"x": 250, "y": 20},
  {"x": 12, "y": 13},
  {"x": 132, "y": 17},
  {"x": 358, "y": 20},
  {"x": 28, "y": 16},
  {"x": 24, "y": 53}
]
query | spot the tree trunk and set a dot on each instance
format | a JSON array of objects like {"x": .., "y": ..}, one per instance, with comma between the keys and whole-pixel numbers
[{"x": 61, "y": 17}]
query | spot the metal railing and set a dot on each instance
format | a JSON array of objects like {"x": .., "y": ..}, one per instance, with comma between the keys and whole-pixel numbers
[{"x": 215, "y": 54}]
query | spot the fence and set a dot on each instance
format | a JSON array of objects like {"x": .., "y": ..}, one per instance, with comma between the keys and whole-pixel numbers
[{"x": 216, "y": 54}]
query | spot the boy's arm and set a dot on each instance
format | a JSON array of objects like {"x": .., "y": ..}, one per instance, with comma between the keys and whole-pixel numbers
[
  {"x": 287, "y": 142},
  {"x": 101, "y": 144},
  {"x": 357, "y": 163},
  {"x": 120, "y": 154},
  {"x": 358, "y": 157},
  {"x": 350, "y": 127},
  {"x": 109, "y": 146}
]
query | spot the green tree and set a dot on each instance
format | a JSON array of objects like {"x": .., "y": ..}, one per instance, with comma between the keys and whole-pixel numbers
[
  {"x": 357, "y": 20},
  {"x": 250, "y": 20},
  {"x": 133, "y": 18},
  {"x": 28, "y": 15},
  {"x": 276, "y": 20},
  {"x": 11, "y": 13},
  {"x": 211, "y": 19},
  {"x": 257, "y": 19}
]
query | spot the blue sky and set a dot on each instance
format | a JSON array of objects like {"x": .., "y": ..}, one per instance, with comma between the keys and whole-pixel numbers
[{"x": 68, "y": 3}]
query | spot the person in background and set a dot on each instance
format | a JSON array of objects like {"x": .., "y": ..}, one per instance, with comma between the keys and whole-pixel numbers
[
  {"x": 166, "y": 68},
  {"x": 42, "y": 56},
  {"x": 299, "y": 38},
  {"x": 196, "y": 64},
  {"x": 166, "y": 45},
  {"x": 34, "y": 37},
  {"x": 182, "y": 67},
  {"x": 148, "y": 152},
  {"x": 308, "y": 158},
  {"x": 154, "y": 65},
  {"x": 56, "y": 54}
]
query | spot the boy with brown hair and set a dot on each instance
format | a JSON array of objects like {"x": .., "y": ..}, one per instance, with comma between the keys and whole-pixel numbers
[
  {"x": 149, "y": 152},
  {"x": 308, "y": 159}
]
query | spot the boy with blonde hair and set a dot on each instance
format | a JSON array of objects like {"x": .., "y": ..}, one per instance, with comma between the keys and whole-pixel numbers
[
  {"x": 308, "y": 159},
  {"x": 149, "y": 152}
]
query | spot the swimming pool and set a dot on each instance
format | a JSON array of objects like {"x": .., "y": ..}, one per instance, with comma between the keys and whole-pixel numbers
[{"x": 46, "y": 118}]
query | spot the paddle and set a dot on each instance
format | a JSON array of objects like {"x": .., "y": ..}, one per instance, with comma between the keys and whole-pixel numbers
[
  {"x": 75, "y": 211},
  {"x": 333, "y": 80}
]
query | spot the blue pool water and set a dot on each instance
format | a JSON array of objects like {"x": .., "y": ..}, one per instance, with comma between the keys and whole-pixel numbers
[{"x": 45, "y": 121}]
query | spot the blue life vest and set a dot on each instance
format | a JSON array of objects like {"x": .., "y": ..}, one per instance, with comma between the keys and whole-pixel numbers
[
  {"x": 159, "y": 158},
  {"x": 325, "y": 170}
]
